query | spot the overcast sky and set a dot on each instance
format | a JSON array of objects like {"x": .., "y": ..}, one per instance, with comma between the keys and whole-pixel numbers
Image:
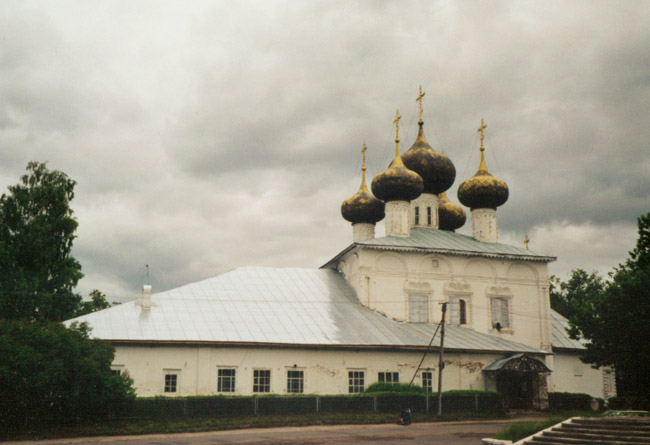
[{"x": 204, "y": 136}]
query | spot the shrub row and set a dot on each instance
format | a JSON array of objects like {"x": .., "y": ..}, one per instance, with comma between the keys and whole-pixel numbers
[
  {"x": 629, "y": 403},
  {"x": 566, "y": 401},
  {"x": 221, "y": 406}
]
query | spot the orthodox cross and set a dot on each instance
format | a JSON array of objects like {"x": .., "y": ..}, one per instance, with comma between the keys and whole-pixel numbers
[
  {"x": 363, "y": 154},
  {"x": 480, "y": 130},
  {"x": 396, "y": 122},
  {"x": 526, "y": 241},
  {"x": 419, "y": 100}
]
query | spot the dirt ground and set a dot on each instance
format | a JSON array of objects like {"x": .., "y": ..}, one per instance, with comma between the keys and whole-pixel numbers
[{"x": 451, "y": 433}]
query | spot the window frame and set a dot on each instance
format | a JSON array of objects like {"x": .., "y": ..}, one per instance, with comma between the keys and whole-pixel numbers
[
  {"x": 385, "y": 376},
  {"x": 299, "y": 380},
  {"x": 356, "y": 381},
  {"x": 171, "y": 381},
  {"x": 226, "y": 383},
  {"x": 261, "y": 384},
  {"x": 427, "y": 376},
  {"x": 429, "y": 216},
  {"x": 424, "y": 301},
  {"x": 416, "y": 216},
  {"x": 496, "y": 316}
]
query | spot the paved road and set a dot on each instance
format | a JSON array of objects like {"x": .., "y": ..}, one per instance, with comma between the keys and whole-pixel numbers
[{"x": 450, "y": 433}]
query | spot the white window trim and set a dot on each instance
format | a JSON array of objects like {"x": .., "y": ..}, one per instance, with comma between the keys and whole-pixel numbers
[
  {"x": 504, "y": 294},
  {"x": 347, "y": 379},
  {"x": 177, "y": 373},
  {"x": 291, "y": 368},
  {"x": 236, "y": 376},
  {"x": 388, "y": 372},
  {"x": 270, "y": 382}
]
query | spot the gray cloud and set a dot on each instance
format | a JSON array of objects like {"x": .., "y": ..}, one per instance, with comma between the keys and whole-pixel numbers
[{"x": 210, "y": 135}]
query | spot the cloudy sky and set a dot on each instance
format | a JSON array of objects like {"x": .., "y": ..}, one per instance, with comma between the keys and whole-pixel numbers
[{"x": 209, "y": 135}]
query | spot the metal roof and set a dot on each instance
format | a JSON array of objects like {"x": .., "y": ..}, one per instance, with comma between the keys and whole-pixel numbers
[
  {"x": 442, "y": 241},
  {"x": 517, "y": 362},
  {"x": 561, "y": 339},
  {"x": 260, "y": 305}
]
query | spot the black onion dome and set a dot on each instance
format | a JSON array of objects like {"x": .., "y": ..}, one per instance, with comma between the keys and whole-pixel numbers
[
  {"x": 363, "y": 207},
  {"x": 483, "y": 191},
  {"x": 450, "y": 216},
  {"x": 397, "y": 183},
  {"x": 437, "y": 171}
]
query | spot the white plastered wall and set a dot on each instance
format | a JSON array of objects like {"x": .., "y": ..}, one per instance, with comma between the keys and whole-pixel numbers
[
  {"x": 325, "y": 371},
  {"x": 383, "y": 281},
  {"x": 571, "y": 375}
]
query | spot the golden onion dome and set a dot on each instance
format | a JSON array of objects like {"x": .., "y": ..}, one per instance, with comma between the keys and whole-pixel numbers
[
  {"x": 437, "y": 171},
  {"x": 483, "y": 191},
  {"x": 397, "y": 183},
  {"x": 362, "y": 207},
  {"x": 450, "y": 216}
]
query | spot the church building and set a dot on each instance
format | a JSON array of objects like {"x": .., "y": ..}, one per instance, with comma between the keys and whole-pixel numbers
[{"x": 368, "y": 314}]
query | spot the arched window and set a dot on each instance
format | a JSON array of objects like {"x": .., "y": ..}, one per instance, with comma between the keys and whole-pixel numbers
[
  {"x": 417, "y": 216},
  {"x": 462, "y": 309},
  {"x": 429, "y": 215}
]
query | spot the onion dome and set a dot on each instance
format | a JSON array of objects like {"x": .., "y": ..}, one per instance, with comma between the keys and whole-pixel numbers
[
  {"x": 362, "y": 207},
  {"x": 483, "y": 191},
  {"x": 450, "y": 216},
  {"x": 397, "y": 183},
  {"x": 437, "y": 171}
]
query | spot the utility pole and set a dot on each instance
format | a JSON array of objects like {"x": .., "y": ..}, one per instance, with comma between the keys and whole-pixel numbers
[{"x": 441, "y": 363}]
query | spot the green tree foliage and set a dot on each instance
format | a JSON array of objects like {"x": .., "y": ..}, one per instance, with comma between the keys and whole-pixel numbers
[
  {"x": 615, "y": 318},
  {"x": 37, "y": 270},
  {"x": 52, "y": 375},
  {"x": 97, "y": 302},
  {"x": 579, "y": 291}
]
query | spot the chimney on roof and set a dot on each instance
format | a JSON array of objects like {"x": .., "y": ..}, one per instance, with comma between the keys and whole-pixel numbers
[{"x": 146, "y": 296}]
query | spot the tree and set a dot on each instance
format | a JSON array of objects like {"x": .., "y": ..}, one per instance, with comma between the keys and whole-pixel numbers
[
  {"x": 97, "y": 302},
  {"x": 51, "y": 376},
  {"x": 580, "y": 290},
  {"x": 615, "y": 320},
  {"x": 37, "y": 270}
]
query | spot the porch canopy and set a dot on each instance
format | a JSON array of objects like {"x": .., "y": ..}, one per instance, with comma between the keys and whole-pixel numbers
[{"x": 517, "y": 363}]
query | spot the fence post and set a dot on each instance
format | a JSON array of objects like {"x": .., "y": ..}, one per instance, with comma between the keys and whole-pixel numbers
[
  {"x": 255, "y": 405},
  {"x": 185, "y": 407},
  {"x": 426, "y": 402},
  {"x": 317, "y": 404},
  {"x": 476, "y": 402},
  {"x": 374, "y": 403}
]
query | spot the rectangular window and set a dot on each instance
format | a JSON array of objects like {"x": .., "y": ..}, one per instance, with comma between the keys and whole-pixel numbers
[
  {"x": 418, "y": 308},
  {"x": 295, "y": 381},
  {"x": 116, "y": 371},
  {"x": 427, "y": 381},
  {"x": 429, "y": 215},
  {"x": 171, "y": 383},
  {"x": 262, "y": 380},
  {"x": 389, "y": 377},
  {"x": 500, "y": 313},
  {"x": 356, "y": 381},
  {"x": 417, "y": 216},
  {"x": 226, "y": 380}
]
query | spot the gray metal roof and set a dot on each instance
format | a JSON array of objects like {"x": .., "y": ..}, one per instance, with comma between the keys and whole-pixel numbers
[
  {"x": 442, "y": 241},
  {"x": 259, "y": 305},
  {"x": 518, "y": 362},
  {"x": 561, "y": 339}
]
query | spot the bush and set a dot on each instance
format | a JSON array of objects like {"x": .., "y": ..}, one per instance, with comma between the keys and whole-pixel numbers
[
  {"x": 381, "y": 387},
  {"x": 338, "y": 404},
  {"x": 286, "y": 405},
  {"x": 628, "y": 403},
  {"x": 52, "y": 375},
  {"x": 567, "y": 401}
]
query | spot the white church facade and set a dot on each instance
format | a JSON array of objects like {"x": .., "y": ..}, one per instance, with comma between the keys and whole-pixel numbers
[{"x": 370, "y": 312}]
